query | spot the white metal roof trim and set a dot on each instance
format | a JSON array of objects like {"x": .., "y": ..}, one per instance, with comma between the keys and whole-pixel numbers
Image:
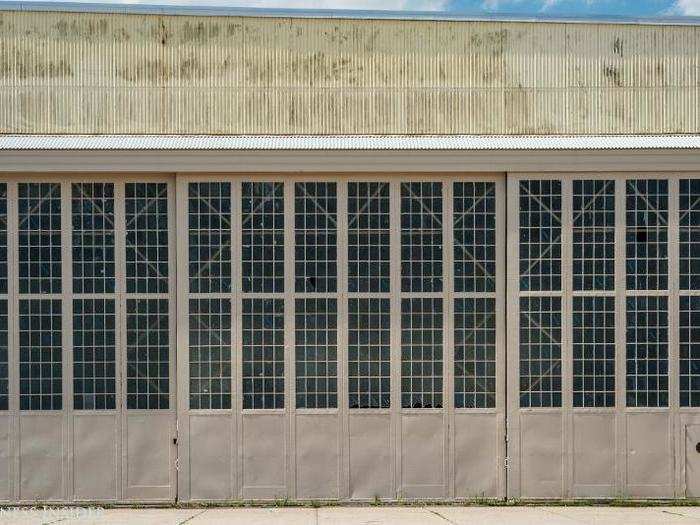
[{"x": 343, "y": 143}]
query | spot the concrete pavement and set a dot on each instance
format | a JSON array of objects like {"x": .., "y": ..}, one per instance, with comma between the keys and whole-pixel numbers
[{"x": 439, "y": 515}]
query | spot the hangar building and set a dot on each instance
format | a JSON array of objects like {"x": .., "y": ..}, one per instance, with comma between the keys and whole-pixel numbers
[{"x": 259, "y": 255}]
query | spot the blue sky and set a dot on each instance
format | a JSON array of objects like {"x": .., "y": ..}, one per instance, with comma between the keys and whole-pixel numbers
[{"x": 550, "y": 7}]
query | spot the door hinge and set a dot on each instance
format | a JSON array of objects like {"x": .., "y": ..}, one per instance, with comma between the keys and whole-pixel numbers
[{"x": 506, "y": 463}]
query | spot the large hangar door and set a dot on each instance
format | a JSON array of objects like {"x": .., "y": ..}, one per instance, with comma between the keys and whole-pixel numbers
[
  {"x": 91, "y": 365},
  {"x": 341, "y": 336},
  {"x": 602, "y": 338}
]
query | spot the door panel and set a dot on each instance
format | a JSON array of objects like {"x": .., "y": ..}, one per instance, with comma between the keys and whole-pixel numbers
[{"x": 149, "y": 456}]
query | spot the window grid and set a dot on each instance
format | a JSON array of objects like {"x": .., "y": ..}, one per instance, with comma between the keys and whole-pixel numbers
[
  {"x": 4, "y": 355},
  {"x": 421, "y": 353},
  {"x": 647, "y": 234},
  {"x": 263, "y": 237},
  {"x": 689, "y": 351},
  {"x": 540, "y": 235},
  {"x": 94, "y": 354},
  {"x": 647, "y": 351},
  {"x": 93, "y": 237},
  {"x": 210, "y": 353},
  {"x": 369, "y": 353},
  {"x": 316, "y": 236},
  {"x": 40, "y": 354},
  {"x": 316, "y": 345},
  {"x": 593, "y": 235},
  {"x": 474, "y": 236},
  {"x": 540, "y": 352},
  {"x": 263, "y": 353},
  {"x": 210, "y": 237},
  {"x": 368, "y": 237},
  {"x": 146, "y": 210},
  {"x": 475, "y": 353},
  {"x": 39, "y": 217},
  {"x": 421, "y": 237},
  {"x": 147, "y": 354},
  {"x": 689, "y": 234},
  {"x": 594, "y": 351}
]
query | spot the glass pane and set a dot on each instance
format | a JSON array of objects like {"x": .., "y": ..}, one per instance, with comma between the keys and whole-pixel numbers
[
  {"x": 146, "y": 237},
  {"x": 594, "y": 235},
  {"x": 369, "y": 353},
  {"x": 594, "y": 351},
  {"x": 647, "y": 234},
  {"x": 690, "y": 351},
  {"x": 93, "y": 237},
  {"x": 421, "y": 237},
  {"x": 147, "y": 354},
  {"x": 540, "y": 352},
  {"x": 210, "y": 353},
  {"x": 647, "y": 351},
  {"x": 263, "y": 237},
  {"x": 263, "y": 353},
  {"x": 475, "y": 236},
  {"x": 315, "y": 217},
  {"x": 94, "y": 354},
  {"x": 316, "y": 342},
  {"x": 421, "y": 353},
  {"x": 4, "y": 371},
  {"x": 210, "y": 237},
  {"x": 39, "y": 214},
  {"x": 475, "y": 353},
  {"x": 690, "y": 234},
  {"x": 368, "y": 237},
  {"x": 40, "y": 355},
  {"x": 540, "y": 235}
]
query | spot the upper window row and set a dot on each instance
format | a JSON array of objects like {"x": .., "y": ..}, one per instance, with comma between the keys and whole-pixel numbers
[
  {"x": 315, "y": 233},
  {"x": 93, "y": 237},
  {"x": 593, "y": 234}
]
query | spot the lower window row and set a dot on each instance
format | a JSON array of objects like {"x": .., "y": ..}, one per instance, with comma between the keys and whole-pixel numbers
[
  {"x": 94, "y": 354},
  {"x": 593, "y": 345},
  {"x": 316, "y": 353},
  {"x": 148, "y": 347}
]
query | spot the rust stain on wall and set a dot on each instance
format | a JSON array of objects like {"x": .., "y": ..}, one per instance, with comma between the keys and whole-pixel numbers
[{"x": 102, "y": 73}]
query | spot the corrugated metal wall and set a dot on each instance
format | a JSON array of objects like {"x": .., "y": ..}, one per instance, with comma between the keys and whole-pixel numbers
[{"x": 101, "y": 73}]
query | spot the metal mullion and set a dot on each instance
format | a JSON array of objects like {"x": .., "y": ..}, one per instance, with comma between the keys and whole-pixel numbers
[
  {"x": 593, "y": 293},
  {"x": 179, "y": 230},
  {"x": 246, "y": 295},
  {"x": 289, "y": 338},
  {"x": 620, "y": 336},
  {"x": 342, "y": 338},
  {"x": 67, "y": 335},
  {"x": 236, "y": 333},
  {"x": 566, "y": 353},
  {"x": 13, "y": 335},
  {"x": 368, "y": 295},
  {"x": 500, "y": 301},
  {"x": 119, "y": 313},
  {"x": 448, "y": 337},
  {"x": 512, "y": 289},
  {"x": 395, "y": 330},
  {"x": 475, "y": 295},
  {"x": 648, "y": 293},
  {"x": 673, "y": 305}
]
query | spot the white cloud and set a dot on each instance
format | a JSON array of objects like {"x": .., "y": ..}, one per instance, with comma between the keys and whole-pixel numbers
[
  {"x": 390, "y": 5},
  {"x": 687, "y": 7}
]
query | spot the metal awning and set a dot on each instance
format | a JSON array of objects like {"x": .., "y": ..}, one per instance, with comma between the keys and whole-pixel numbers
[{"x": 345, "y": 143}]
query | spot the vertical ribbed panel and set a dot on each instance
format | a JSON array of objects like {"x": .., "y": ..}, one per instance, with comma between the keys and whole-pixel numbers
[{"x": 115, "y": 73}]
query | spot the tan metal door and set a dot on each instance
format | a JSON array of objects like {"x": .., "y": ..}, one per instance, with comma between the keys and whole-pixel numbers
[{"x": 692, "y": 461}]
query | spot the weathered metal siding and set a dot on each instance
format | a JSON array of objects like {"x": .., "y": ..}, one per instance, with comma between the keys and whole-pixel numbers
[{"x": 115, "y": 73}]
